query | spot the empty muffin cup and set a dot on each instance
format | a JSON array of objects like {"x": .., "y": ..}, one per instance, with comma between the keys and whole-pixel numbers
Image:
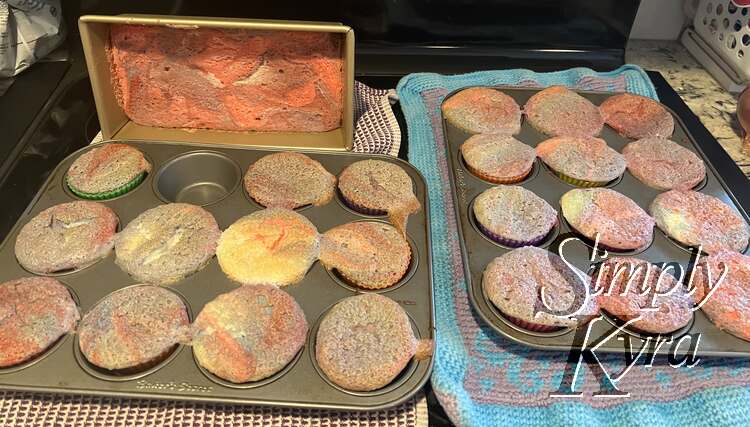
[{"x": 199, "y": 178}]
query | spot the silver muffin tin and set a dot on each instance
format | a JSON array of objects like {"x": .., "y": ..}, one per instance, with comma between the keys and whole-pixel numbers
[
  {"x": 211, "y": 175},
  {"x": 478, "y": 250}
]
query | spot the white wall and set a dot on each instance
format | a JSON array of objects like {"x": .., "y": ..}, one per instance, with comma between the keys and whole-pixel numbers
[{"x": 659, "y": 19}]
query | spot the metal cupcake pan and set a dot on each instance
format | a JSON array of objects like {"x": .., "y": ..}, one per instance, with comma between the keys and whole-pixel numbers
[
  {"x": 211, "y": 175},
  {"x": 478, "y": 250}
]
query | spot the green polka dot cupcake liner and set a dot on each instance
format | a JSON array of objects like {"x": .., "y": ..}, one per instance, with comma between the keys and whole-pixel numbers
[{"x": 119, "y": 191}]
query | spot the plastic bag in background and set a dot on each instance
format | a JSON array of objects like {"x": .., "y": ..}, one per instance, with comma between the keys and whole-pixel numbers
[{"x": 29, "y": 30}]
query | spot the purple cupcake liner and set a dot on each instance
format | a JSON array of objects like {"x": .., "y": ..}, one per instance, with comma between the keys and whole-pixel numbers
[
  {"x": 361, "y": 209},
  {"x": 510, "y": 242}
]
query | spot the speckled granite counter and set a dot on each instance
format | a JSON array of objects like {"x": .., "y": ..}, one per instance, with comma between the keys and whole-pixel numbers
[{"x": 709, "y": 101}]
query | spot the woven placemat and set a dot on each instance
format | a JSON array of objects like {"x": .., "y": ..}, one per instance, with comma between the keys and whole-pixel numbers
[{"x": 376, "y": 132}]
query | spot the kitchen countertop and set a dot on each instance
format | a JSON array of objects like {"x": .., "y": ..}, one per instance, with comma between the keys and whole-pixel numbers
[{"x": 713, "y": 105}]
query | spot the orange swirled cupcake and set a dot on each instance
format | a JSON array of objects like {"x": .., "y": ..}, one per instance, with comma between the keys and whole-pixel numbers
[
  {"x": 377, "y": 187},
  {"x": 696, "y": 219},
  {"x": 618, "y": 221},
  {"x": 35, "y": 312},
  {"x": 368, "y": 254},
  {"x": 636, "y": 116},
  {"x": 483, "y": 110},
  {"x": 365, "y": 341},
  {"x": 289, "y": 180},
  {"x": 68, "y": 236},
  {"x": 630, "y": 284},
  {"x": 167, "y": 243},
  {"x": 515, "y": 281},
  {"x": 499, "y": 159},
  {"x": 582, "y": 161},
  {"x": 728, "y": 306},
  {"x": 134, "y": 328},
  {"x": 514, "y": 216},
  {"x": 249, "y": 334},
  {"x": 663, "y": 164},
  {"x": 558, "y": 111},
  {"x": 274, "y": 246}
]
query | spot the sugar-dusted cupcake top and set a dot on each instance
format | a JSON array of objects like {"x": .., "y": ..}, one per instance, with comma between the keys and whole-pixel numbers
[
  {"x": 697, "y": 219},
  {"x": 34, "y": 313},
  {"x": 377, "y": 186},
  {"x": 728, "y": 306},
  {"x": 633, "y": 288},
  {"x": 515, "y": 281},
  {"x": 498, "y": 158},
  {"x": 274, "y": 246},
  {"x": 558, "y": 111},
  {"x": 249, "y": 334},
  {"x": 133, "y": 327},
  {"x": 514, "y": 213},
  {"x": 289, "y": 180},
  {"x": 636, "y": 116},
  {"x": 483, "y": 110},
  {"x": 369, "y": 254},
  {"x": 167, "y": 243},
  {"x": 106, "y": 168},
  {"x": 618, "y": 221},
  {"x": 663, "y": 164},
  {"x": 68, "y": 236},
  {"x": 365, "y": 341},
  {"x": 582, "y": 158}
]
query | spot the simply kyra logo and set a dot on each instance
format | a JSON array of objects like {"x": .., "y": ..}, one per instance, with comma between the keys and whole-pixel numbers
[{"x": 645, "y": 288}]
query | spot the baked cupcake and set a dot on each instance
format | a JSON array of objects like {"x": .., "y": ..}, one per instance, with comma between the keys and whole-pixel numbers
[
  {"x": 377, "y": 187},
  {"x": 274, "y": 246},
  {"x": 69, "y": 236},
  {"x": 637, "y": 117},
  {"x": 107, "y": 171},
  {"x": 726, "y": 301},
  {"x": 558, "y": 111},
  {"x": 368, "y": 254},
  {"x": 249, "y": 334},
  {"x": 289, "y": 180},
  {"x": 514, "y": 216},
  {"x": 663, "y": 164},
  {"x": 633, "y": 288},
  {"x": 699, "y": 220},
  {"x": 515, "y": 281},
  {"x": 35, "y": 312},
  {"x": 582, "y": 161},
  {"x": 499, "y": 159},
  {"x": 133, "y": 329},
  {"x": 483, "y": 110},
  {"x": 365, "y": 341},
  {"x": 618, "y": 222},
  {"x": 167, "y": 243}
]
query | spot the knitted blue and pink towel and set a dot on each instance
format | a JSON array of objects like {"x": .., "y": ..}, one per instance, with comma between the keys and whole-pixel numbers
[{"x": 482, "y": 378}]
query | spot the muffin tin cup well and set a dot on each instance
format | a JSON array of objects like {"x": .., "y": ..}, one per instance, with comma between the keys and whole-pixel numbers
[
  {"x": 199, "y": 177},
  {"x": 178, "y": 166},
  {"x": 478, "y": 250}
]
